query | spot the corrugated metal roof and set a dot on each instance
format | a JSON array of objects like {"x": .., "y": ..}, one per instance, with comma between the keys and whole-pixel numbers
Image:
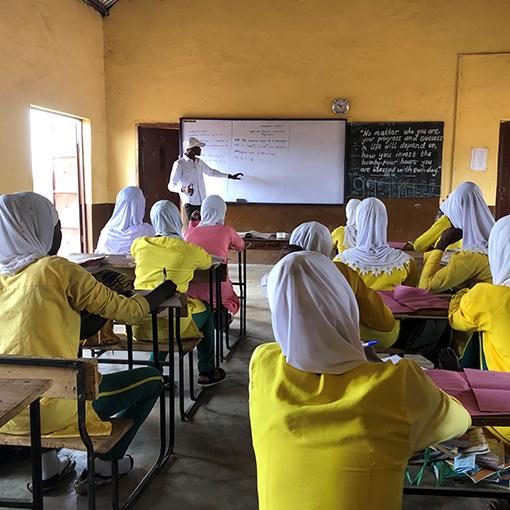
[{"x": 101, "y": 6}]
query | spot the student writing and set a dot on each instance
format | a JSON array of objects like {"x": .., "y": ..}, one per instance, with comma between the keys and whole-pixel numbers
[
  {"x": 41, "y": 296},
  {"x": 216, "y": 238},
  {"x": 472, "y": 221},
  {"x": 329, "y": 429},
  {"x": 168, "y": 255}
]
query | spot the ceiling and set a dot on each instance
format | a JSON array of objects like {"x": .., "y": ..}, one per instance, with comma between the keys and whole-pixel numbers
[{"x": 101, "y": 6}]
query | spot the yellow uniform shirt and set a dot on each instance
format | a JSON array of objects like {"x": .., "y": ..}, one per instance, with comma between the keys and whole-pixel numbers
[
  {"x": 432, "y": 235},
  {"x": 464, "y": 269},
  {"x": 40, "y": 315},
  {"x": 338, "y": 236},
  {"x": 373, "y": 313},
  {"x": 408, "y": 275},
  {"x": 342, "y": 442},
  {"x": 486, "y": 308},
  {"x": 180, "y": 259}
]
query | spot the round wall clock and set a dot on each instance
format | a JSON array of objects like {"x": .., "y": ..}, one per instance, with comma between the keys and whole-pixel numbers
[{"x": 340, "y": 106}]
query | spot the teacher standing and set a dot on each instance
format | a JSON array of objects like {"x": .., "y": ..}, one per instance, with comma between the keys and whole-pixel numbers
[{"x": 187, "y": 177}]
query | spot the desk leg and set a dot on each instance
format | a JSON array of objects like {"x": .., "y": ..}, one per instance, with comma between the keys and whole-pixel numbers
[
  {"x": 219, "y": 320},
  {"x": 35, "y": 441},
  {"x": 245, "y": 289},
  {"x": 129, "y": 336},
  {"x": 241, "y": 289},
  {"x": 171, "y": 371}
]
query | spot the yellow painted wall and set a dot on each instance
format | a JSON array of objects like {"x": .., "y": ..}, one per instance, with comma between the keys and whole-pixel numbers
[
  {"x": 395, "y": 60},
  {"x": 483, "y": 102},
  {"x": 51, "y": 55}
]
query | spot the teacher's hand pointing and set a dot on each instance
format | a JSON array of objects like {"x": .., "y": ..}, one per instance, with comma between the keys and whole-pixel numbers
[{"x": 235, "y": 177}]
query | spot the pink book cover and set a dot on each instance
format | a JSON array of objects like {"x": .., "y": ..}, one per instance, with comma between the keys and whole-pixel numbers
[
  {"x": 419, "y": 299},
  {"x": 391, "y": 303},
  {"x": 456, "y": 385},
  {"x": 491, "y": 389}
]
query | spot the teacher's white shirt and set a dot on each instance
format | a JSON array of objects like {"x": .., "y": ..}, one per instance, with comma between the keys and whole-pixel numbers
[{"x": 186, "y": 171}]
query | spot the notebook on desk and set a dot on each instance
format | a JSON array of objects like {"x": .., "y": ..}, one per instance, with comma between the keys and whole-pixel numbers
[
  {"x": 481, "y": 392},
  {"x": 406, "y": 299}
]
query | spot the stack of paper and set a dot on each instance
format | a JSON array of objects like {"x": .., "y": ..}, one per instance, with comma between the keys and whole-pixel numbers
[
  {"x": 254, "y": 234},
  {"x": 477, "y": 455},
  {"x": 92, "y": 263}
]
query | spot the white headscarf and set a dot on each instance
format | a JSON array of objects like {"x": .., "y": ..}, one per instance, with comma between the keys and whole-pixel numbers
[
  {"x": 126, "y": 223},
  {"x": 372, "y": 253},
  {"x": 312, "y": 236},
  {"x": 499, "y": 252},
  {"x": 166, "y": 219},
  {"x": 467, "y": 210},
  {"x": 314, "y": 314},
  {"x": 350, "y": 228},
  {"x": 212, "y": 211},
  {"x": 27, "y": 222}
]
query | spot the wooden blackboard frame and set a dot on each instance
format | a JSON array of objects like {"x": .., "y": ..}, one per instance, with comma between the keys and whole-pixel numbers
[{"x": 276, "y": 119}]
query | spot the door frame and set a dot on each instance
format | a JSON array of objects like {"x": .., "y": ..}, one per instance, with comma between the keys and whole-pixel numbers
[
  {"x": 85, "y": 235},
  {"x": 149, "y": 125},
  {"x": 503, "y": 176}
]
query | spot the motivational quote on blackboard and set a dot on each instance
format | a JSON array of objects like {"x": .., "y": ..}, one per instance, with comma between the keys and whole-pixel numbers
[{"x": 394, "y": 159}]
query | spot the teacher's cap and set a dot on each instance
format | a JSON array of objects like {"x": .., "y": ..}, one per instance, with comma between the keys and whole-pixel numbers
[{"x": 191, "y": 142}]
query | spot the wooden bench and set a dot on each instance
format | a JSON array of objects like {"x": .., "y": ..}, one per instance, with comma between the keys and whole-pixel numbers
[
  {"x": 64, "y": 385},
  {"x": 182, "y": 346},
  {"x": 78, "y": 380}
]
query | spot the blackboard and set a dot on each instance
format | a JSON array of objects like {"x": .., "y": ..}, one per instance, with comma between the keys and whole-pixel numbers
[{"x": 394, "y": 159}]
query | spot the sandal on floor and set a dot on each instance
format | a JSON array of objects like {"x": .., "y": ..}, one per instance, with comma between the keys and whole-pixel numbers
[
  {"x": 212, "y": 378},
  {"x": 80, "y": 484},
  {"x": 51, "y": 483}
]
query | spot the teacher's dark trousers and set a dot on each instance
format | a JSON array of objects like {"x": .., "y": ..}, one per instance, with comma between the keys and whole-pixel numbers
[{"x": 189, "y": 210}]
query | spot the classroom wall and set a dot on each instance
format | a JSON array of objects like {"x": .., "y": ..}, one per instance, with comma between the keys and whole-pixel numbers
[
  {"x": 394, "y": 59},
  {"x": 51, "y": 54},
  {"x": 483, "y": 102}
]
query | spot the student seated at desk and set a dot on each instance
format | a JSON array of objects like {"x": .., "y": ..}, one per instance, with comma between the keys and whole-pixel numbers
[
  {"x": 345, "y": 236},
  {"x": 215, "y": 238},
  {"x": 472, "y": 221},
  {"x": 486, "y": 307},
  {"x": 380, "y": 266},
  {"x": 168, "y": 255},
  {"x": 430, "y": 237},
  {"x": 375, "y": 317},
  {"x": 126, "y": 223},
  {"x": 330, "y": 430},
  {"x": 41, "y": 296}
]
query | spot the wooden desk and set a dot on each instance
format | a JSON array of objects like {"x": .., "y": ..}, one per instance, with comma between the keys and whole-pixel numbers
[
  {"x": 15, "y": 396},
  {"x": 271, "y": 243},
  {"x": 423, "y": 314}
]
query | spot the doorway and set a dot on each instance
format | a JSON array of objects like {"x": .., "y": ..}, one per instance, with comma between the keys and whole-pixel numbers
[
  {"x": 503, "y": 182},
  {"x": 158, "y": 148},
  {"x": 57, "y": 172}
]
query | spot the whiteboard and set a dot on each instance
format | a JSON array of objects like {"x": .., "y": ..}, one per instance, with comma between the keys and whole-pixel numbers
[{"x": 283, "y": 161}]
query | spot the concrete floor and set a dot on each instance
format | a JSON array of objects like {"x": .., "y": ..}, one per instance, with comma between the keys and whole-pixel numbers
[{"x": 213, "y": 467}]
